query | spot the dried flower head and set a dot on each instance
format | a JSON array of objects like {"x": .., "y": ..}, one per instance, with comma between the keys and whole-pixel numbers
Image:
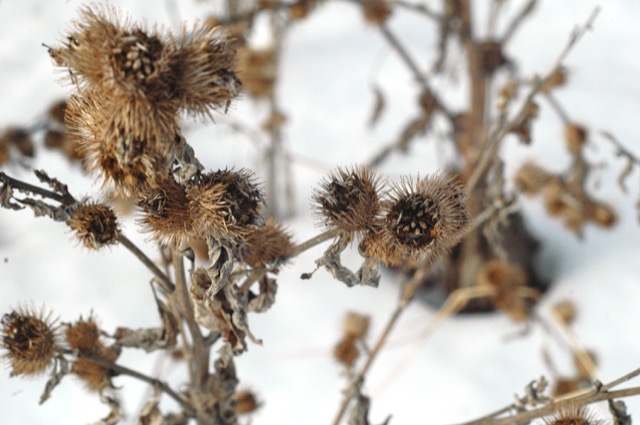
[
  {"x": 83, "y": 336},
  {"x": 115, "y": 57},
  {"x": 29, "y": 339},
  {"x": 574, "y": 415},
  {"x": 376, "y": 11},
  {"x": 245, "y": 402},
  {"x": 257, "y": 71},
  {"x": 575, "y": 135},
  {"x": 204, "y": 67},
  {"x": 348, "y": 199},
  {"x": 166, "y": 212},
  {"x": 266, "y": 245},
  {"x": 355, "y": 325},
  {"x": 95, "y": 225},
  {"x": 225, "y": 203},
  {"x": 424, "y": 216},
  {"x": 346, "y": 351}
]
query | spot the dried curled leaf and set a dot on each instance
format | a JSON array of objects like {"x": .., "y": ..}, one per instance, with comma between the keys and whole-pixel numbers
[
  {"x": 265, "y": 298},
  {"x": 60, "y": 369},
  {"x": 330, "y": 260}
]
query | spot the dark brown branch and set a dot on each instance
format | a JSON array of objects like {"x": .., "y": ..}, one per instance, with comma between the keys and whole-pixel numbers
[{"x": 36, "y": 190}]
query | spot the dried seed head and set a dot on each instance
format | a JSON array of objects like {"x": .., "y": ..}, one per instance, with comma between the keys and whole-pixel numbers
[
  {"x": 602, "y": 214},
  {"x": 245, "y": 402},
  {"x": 84, "y": 336},
  {"x": 574, "y": 415},
  {"x": 346, "y": 352},
  {"x": 348, "y": 199},
  {"x": 57, "y": 111},
  {"x": 373, "y": 245},
  {"x": 376, "y": 11},
  {"x": 557, "y": 79},
  {"x": 113, "y": 57},
  {"x": 95, "y": 225},
  {"x": 491, "y": 56},
  {"x": 257, "y": 71},
  {"x": 266, "y": 245},
  {"x": 29, "y": 339},
  {"x": 566, "y": 311},
  {"x": 575, "y": 136},
  {"x": 424, "y": 216},
  {"x": 204, "y": 67},
  {"x": 225, "y": 203},
  {"x": 166, "y": 212},
  {"x": 355, "y": 325},
  {"x": 18, "y": 138},
  {"x": 531, "y": 178},
  {"x": 505, "y": 279}
]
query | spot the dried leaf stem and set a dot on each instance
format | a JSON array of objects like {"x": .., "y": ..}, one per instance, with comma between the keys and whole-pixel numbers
[{"x": 164, "y": 281}]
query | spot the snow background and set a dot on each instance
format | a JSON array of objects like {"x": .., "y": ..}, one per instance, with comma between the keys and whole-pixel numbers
[{"x": 465, "y": 368}]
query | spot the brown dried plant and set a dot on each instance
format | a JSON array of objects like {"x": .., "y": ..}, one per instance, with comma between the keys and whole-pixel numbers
[{"x": 132, "y": 85}]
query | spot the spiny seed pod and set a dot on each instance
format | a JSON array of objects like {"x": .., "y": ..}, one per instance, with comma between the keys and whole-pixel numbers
[
  {"x": 30, "y": 340},
  {"x": 424, "y": 216},
  {"x": 376, "y": 11},
  {"x": 114, "y": 57},
  {"x": 84, "y": 336},
  {"x": 257, "y": 71},
  {"x": 373, "y": 246},
  {"x": 225, "y": 203},
  {"x": 166, "y": 212},
  {"x": 348, "y": 199},
  {"x": 346, "y": 351},
  {"x": 57, "y": 111},
  {"x": 203, "y": 63},
  {"x": 574, "y": 415},
  {"x": 355, "y": 325},
  {"x": 95, "y": 225},
  {"x": 245, "y": 402},
  {"x": 575, "y": 135},
  {"x": 266, "y": 245}
]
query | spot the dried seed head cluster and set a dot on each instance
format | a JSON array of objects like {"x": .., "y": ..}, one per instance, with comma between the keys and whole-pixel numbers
[
  {"x": 266, "y": 245},
  {"x": 575, "y": 135},
  {"x": 415, "y": 218},
  {"x": 29, "y": 339},
  {"x": 257, "y": 71},
  {"x": 348, "y": 199},
  {"x": 132, "y": 84},
  {"x": 245, "y": 402},
  {"x": 18, "y": 139},
  {"x": 95, "y": 225},
  {"x": 564, "y": 199},
  {"x": 225, "y": 203},
  {"x": 83, "y": 336}
]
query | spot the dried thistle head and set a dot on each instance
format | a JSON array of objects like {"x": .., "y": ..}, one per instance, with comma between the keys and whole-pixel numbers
[
  {"x": 257, "y": 71},
  {"x": 19, "y": 138},
  {"x": 166, "y": 212},
  {"x": 115, "y": 57},
  {"x": 574, "y": 415},
  {"x": 355, "y": 325},
  {"x": 29, "y": 339},
  {"x": 225, "y": 203},
  {"x": 346, "y": 351},
  {"x": 424, "y": 216},
  {"x": 84, "y": 336},
  {"x": 348, "y": 199},
  {"x": 95, "y": 225},
  {"x": 376, "y": 11},
  {"x": 203, "y": 65},
  {"x": 266, "y": 245},
  {"x": 245, "y": 402}
]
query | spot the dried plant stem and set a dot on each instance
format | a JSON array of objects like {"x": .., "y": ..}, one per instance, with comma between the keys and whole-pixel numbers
[
  {"x": 408, "y": 293},
  {"x": 316, "y": 240},
  {"x": 164, "y": 281},
  {"x": 517, "y": 21},
  {"x": 199, "y": 363},
  {"x": 123, "y": 370},
  {"x": 576, "y": 348},
  {"x": 36, "y": 190}
]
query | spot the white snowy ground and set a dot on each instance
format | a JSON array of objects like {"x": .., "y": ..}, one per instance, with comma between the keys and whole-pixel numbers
[{"x": 466, "y": 368}]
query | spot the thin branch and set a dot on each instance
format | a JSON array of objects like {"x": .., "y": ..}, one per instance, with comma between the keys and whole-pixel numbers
[
  {"x": 36, "y": 190},
  {"x": 123, "y": 370},
  {"x": 316, "y": 240},
  {"x": 166, "y": 284},
  {"x": 517, "y": 21}
]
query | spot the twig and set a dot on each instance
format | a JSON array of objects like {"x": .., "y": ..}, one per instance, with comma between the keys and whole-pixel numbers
[
  {"x": 517, "y": 21},
  {"x": 316, "y": 240},
  {"x": 66, "y": 199},
  {"x": 408, "y": 293},
  {"x": 421, "y": 8},
  {"x": 166, "y": 284},
  {"x": 123, "y": 370}
]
